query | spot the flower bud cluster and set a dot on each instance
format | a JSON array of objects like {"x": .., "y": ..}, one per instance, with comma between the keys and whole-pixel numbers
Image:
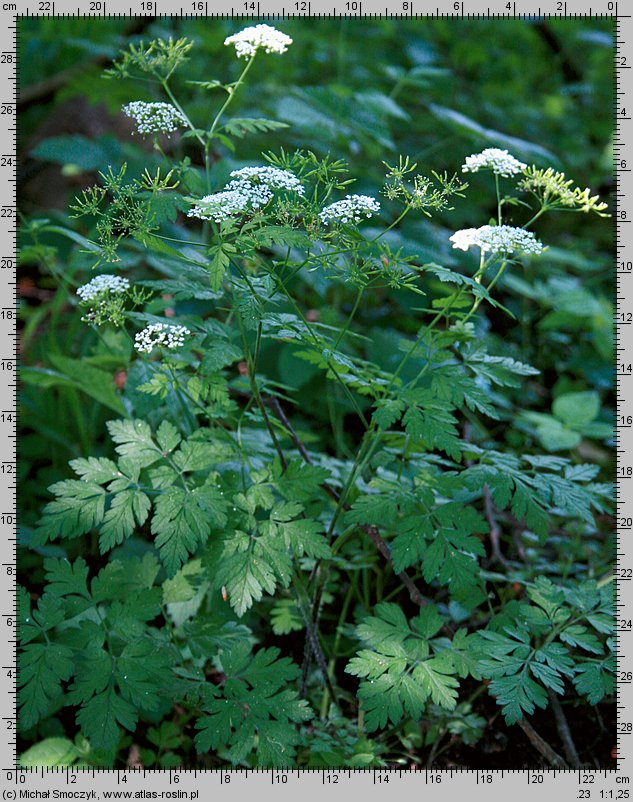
[{"x": 555, "y": 190}]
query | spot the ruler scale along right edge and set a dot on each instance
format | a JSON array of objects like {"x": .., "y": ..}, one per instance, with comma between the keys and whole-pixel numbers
[{"x": 586, "y": 784}]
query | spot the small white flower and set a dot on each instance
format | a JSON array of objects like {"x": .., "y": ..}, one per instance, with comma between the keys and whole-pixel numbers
[
  {"x": 248, "y": 41},
  {"x": 155, "y": 118},
  {"x": 499, "y": 161},
  {"x": 497, "y": 239},
  {"x": 162, "y": 334},
  {"x": 101, "y": 285},
  {"x": 350, "y": 210}
]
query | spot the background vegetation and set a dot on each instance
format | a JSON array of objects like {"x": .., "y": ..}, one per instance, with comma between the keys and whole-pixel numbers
[{"x": 364, "y": 91}]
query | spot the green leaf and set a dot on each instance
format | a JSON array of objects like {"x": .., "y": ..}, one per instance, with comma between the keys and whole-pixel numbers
[
  {"x": 48, "y": 753},
  {"x": 577, "y": 409},
  {"x": 506, "y": 660},
  {"x": 65, "y": 578},
  {"x": 156, "y": 244},
  {"x": 595, "y": 680},
  {"x": 93, "y": 673},
  {"x": 474, "y": 131},
  {"x": 43, "y": 668},
  {"x": 33, "y": 623},
  {"x": 167, "y": 437},
  {"x": 245, "y": 572},
  {"x": 255, "y": 705},
  {"x": 183, "y": 521},
  {"x": 281, "y": 235},
  {"x": 400, "y": 672},
  {"x": 465, "y": 653},
  {"x": 95, "y": 469},
  {"x": 241, "y": 126},
  {"x": 120, "y": 580},
  {"x": 554, "y": 436},
  {"x": 198, "y": 455},
  {"x": 134, "y": 442},
  {"x": 388, "y": 411},
  {"x": 143, "y": 671},
  {"x": 77, "y": 510},
  {"x": 301, "y": 536},
  {"x": 219, "y": 262},
  {"x": 183, "y": 289},
  {"x": 410, "y": 545},
  {"x": 435, "y": 676},
  {"x": 97, "y": 383},
  {"x": 86, "y": 154},
  {"x": 100, "y": 718},
  {"x": 577, "y": 635},
  {"x": 128, "y": 509},
  {"x": 285, "y": 617},
  {"x": 300, "y": 481},
  {"x": 218, "y": 354},
  {"x": 435, "y": 427},
  {"x": 184, "y": 585},
  {"x": 518, "y": 694}
]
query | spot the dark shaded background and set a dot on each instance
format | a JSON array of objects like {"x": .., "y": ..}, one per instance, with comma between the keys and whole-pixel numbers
[{"x": 366, "y": 91}]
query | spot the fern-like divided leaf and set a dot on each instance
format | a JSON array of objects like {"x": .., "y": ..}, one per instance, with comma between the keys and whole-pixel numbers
[
  {"x": 186, "y": 510},
  {"x": 542, "y": 644},
  {"x": 255, "y": 704},
  {"x": 404, "y": 666}
]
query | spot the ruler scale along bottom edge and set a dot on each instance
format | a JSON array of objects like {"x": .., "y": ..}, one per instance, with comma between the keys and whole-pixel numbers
[{"x": 97, "y": 784}]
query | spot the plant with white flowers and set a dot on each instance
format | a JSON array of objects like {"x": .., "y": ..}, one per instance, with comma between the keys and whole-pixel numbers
[{"x": 220, "y": 510}]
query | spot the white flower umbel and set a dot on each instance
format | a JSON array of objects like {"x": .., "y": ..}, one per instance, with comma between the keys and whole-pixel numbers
[
  {"x": 220, "y": 206},
  {"x": 271, "y": 177},
  {"x": 497, "y": 239},
  {"x": 102, "y": 285},
  {"x": 251, "y": 189},
  {"x": 499, "y": 161},
  {"x": 160, "y": 334},
  {"x": 352, "y": 209},
  {"x": 155, "y": 118},
  {"x": 248, "y": 41}
]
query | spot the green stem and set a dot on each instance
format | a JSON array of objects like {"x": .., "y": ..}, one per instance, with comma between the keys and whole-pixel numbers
[
  {"x": 498, "y": 200},
  {"x": 180, "y": 392},
  {"x": 478, "y": 301},
  {"x": 318, "y": 343},
  {"x": 337, "y": 640},
  {"x": 400, "y": 217},
  {"x": 256, "y": 393},
  {"x": 232, "y": 94},
  {"x": 345, "y": 328},
  {"x": 172, "y": 97},
  {"x": 541, "y": 211},
  {"x": 416, "y": 343}
]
